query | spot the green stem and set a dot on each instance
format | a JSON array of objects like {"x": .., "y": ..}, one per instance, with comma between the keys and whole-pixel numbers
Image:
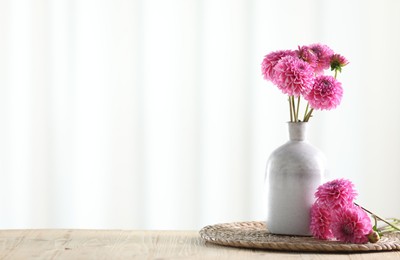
[
  {"x": 290, "y": 109},
  {"x": 388, "y": 228},
  {"x": 394, "y": 220},
  {"x": 298, "y": 108},
  {"x": 294, "y": 108},
  {"x": 305, "y": 113},
  {"x": 335, "y": 74},
  {"x": 375, "y": 227},
  {"x": 382, "y": 219},
  {"x": 308, "y": 115}
]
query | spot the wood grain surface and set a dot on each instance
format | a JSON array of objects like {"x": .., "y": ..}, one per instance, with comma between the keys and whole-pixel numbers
[{"x": 125, "y": 244}]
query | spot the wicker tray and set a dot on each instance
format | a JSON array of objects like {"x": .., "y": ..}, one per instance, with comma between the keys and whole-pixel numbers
[{"x": 255, "y": 235}]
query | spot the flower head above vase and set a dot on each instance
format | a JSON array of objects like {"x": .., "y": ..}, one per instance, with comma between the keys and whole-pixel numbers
[{"x": 300, "y": 74}]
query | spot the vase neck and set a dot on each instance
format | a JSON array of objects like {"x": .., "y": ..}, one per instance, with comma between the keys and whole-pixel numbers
[{"x": 297, "y": 131}]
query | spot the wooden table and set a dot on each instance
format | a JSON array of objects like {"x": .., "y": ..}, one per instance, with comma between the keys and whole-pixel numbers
[{"x": 125, "y": 244}]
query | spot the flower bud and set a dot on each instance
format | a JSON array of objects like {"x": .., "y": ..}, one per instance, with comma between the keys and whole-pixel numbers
[
  {"x": 337, "y": 62},
  {"x": 373, "y": 237}
]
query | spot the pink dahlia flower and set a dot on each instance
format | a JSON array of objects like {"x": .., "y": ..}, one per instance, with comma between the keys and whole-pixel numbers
[
  {"x": 294, "y": 76},
  {"x": 324, "y": 54},
  {"x": 320, "y": 222},
  {"x": 351, "y": 225},
  {"x": 325, "y": 94},
  {"x": 338, "y": 61},
  {"x": 336, "y": 194},
  {"x": 305, "y": 53},
  {"x": 270, "y": 60}
]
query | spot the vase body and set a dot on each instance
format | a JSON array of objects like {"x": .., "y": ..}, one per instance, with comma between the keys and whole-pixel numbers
[{"x": 293, "y": 173}]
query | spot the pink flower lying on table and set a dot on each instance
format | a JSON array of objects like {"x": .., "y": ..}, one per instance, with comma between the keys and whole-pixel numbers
[
  {"x": 336, "y": 194},
  {"x": 334, "y": 214},
  {"x": 320, "y": 222},
  {"x": 351, "y": 225}
]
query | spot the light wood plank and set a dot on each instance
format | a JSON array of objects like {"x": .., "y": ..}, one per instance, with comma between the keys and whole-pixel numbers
[{"x": 124, "y": 244}]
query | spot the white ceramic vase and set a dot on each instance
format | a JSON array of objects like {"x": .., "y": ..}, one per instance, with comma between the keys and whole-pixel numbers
[{"x": 293, "y": 173}]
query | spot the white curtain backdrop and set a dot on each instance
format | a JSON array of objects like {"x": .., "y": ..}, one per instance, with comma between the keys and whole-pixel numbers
[{"x": 153, "y": 114}]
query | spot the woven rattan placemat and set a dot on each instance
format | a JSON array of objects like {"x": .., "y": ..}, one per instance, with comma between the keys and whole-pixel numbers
[{"x": 255, "y": 235}]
